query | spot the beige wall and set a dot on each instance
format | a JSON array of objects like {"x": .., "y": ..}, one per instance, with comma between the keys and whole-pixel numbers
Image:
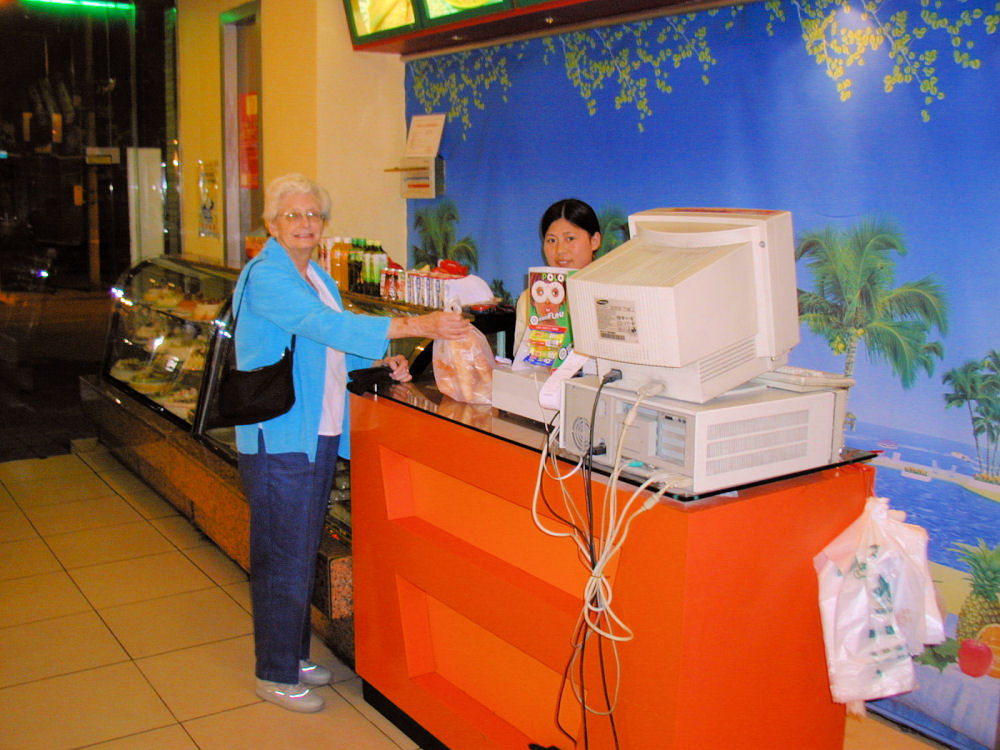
[
  {"x": 362, "y": 126},
  {"x": 326, "y": 111},
  {"x": 289, "y": 39},
  {"x": 199, "y": 111}
]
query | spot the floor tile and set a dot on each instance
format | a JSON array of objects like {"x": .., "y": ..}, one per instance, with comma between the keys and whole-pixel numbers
[
  {"x": 320, "y": 654},
  {"x": 350, "y": 690},
  {"x": 107, "y": 544},
  {"x": 168, "y": 738},
  {"x": 57, "y": 646},
  {"x": 139, "y": 579},
  {"x": 15, "y": 525},
  {"x": 181, "y": 532},
  {"x": 28, "y": 469},
  {"x": 123, "y": 481},
  {"x": 224, "y": 677},
  {"x": 216, "y": 565},
  {"x": 100, "y": 460},
  {"x": 91, "y": 706},
  {"x": 149, "y": 504},
  {"x": 337, "y": 727},
  {"x": 61, "y": 489},
  {"x": 173, "y": 622},
  {"x": 7, "y": 503},
  {"x": 39, "y": 597},
  {"x": 26, "y": 557},
  {"x": 80, "y": 446},
  {"x": 81, "y": 514},
  {"x": 18, "y": 471},
  {"x": 240, "y": 592}
]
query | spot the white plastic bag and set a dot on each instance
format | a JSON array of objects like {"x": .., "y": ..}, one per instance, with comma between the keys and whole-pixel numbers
[
  {"x": 877, "y": 604},
  {"x": 463, "y": 368}
]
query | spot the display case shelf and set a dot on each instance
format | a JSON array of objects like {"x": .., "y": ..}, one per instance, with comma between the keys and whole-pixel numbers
[{"x": 161, "y": 331}]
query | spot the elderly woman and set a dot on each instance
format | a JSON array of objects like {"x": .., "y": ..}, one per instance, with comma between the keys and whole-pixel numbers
[{"x": 286, "y": 464}]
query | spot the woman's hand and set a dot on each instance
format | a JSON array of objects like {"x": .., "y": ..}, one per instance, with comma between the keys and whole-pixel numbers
[
  {"x": 398, "y": 366},
  {"x": 435, "y": 325}
]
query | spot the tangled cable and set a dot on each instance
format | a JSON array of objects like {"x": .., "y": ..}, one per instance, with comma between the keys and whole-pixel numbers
[{"x": 596, "y": 551}]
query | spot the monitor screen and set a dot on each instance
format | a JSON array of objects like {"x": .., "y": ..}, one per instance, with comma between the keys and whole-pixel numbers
[{"x": 699, "y": 299}]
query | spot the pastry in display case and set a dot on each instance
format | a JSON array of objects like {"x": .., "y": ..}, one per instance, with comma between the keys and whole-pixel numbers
[{"x": 161, "y": 331}]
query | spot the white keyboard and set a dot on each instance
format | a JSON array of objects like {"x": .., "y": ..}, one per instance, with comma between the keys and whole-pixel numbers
[{"x": 794, "y": 378}]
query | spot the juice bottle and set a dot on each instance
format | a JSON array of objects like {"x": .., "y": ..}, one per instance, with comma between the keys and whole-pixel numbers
[
  {"x": 357, "y": 263},
  {"x": 343, "y": 249},
  {"x": 334, "y": 256},
  {"x": 350, "y": 267},
  {"x": 379, "y": 261}
]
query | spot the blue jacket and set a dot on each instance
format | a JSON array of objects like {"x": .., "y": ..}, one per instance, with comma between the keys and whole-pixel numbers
[{"x": 276, "y": 303}]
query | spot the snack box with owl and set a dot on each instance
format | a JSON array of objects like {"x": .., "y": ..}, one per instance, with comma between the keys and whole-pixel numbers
[{"x": 548, "y": 335}]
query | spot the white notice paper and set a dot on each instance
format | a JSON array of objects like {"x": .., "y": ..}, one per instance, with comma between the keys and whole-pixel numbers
[{"x": 424, "y": 137}]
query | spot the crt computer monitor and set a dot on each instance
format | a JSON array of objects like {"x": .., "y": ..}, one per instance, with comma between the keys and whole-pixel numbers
[{"x": 700, "y": 300}]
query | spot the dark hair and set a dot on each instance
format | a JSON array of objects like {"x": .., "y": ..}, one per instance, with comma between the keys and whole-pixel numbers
[{"x": 575, "y": 212}]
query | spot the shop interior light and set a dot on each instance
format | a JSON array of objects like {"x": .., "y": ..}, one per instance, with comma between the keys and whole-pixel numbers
[{"x": 102, "y": 4}]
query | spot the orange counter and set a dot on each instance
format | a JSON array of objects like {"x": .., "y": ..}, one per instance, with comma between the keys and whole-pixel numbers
[{"x": 465, "y": 611}]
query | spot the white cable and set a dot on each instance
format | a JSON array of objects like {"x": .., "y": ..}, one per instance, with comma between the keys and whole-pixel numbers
[
  {"x": 534, "y": 499},
  {"x": 597, "y": 616},
  {"x": 555, "y": 473},
  {"x": 578, "y": 693}
]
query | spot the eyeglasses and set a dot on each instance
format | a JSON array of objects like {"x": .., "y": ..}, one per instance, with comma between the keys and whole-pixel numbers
[{"x": 294, "y": 216}]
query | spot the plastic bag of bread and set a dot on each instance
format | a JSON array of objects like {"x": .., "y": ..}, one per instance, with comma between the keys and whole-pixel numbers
[{"x": 463, "y": 368}]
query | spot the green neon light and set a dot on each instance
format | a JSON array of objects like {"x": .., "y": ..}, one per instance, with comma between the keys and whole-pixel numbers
[{"x": 103, "y": 4}]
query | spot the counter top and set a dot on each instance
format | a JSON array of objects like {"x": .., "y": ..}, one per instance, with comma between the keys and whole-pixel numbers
[{"x": 422, "y": 394}]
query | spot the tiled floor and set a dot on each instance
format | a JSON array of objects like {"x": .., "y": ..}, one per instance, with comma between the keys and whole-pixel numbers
[{"x": 123, "y": 628}]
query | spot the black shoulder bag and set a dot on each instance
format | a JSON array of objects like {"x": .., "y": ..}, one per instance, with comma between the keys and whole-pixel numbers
[{"x": 250, "y": 396}]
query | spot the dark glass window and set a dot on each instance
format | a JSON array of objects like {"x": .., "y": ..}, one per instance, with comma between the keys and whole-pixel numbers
[{"x": 87, "y": 94}]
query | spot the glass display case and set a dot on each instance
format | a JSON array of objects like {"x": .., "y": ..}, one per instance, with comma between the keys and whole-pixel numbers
[
  {"x": 161, "y": 351},
  {"x": 161, "y": 331}
]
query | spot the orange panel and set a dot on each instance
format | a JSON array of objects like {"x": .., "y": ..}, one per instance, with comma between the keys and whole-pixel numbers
[{"x": 465, "y": 611}]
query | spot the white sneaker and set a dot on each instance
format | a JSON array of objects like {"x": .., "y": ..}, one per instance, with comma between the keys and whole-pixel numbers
[
  {"x": 293, "y": 697},
  {"x": 313, "y": 674}
]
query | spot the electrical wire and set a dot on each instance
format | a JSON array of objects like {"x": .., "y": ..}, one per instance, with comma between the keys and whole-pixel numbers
[{"x": 596, "y": 551}]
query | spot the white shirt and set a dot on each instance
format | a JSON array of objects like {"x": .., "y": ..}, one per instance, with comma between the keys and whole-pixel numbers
[{"x": 331, "y": 421}]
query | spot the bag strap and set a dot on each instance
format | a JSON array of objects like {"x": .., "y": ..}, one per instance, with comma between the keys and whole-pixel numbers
[{"x": 237, "y": 307}]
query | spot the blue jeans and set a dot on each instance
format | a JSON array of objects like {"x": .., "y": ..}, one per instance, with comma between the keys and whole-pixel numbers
[{"x": 288, "y": 499}]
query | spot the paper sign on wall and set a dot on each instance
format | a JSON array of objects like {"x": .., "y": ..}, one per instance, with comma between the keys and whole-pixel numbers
[
  {"x": 422, "y": 169},
  {"x": 208, "y": 189},
  {"x": 424, "y": 138}
]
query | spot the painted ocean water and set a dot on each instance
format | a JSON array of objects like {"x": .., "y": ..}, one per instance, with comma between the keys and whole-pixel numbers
[
  {"x": 926, "y": 450},
  {"x": 948, "y": 511}
]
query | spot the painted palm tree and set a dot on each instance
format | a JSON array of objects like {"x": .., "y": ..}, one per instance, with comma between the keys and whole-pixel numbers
[
  {"x": 966, "y": 389},
  {"x": 436, "y": 227},
  {"x": 856, "y": 300},
  {"x": 987, "y": 418},
  {"x": 614, "y": 229},
  {"x": 985, "y": 423},
  {"x": 503, "y": 296}
]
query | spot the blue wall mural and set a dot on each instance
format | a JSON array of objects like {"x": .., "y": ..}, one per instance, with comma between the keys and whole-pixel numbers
[{"x": 878, "y": 126}]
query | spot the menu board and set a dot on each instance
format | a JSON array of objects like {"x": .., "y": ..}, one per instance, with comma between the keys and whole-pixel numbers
[
  {"x": 369, "y": 17},
  {"x": 442, "y": 9},
  {"x": 378, "y": 19}
]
